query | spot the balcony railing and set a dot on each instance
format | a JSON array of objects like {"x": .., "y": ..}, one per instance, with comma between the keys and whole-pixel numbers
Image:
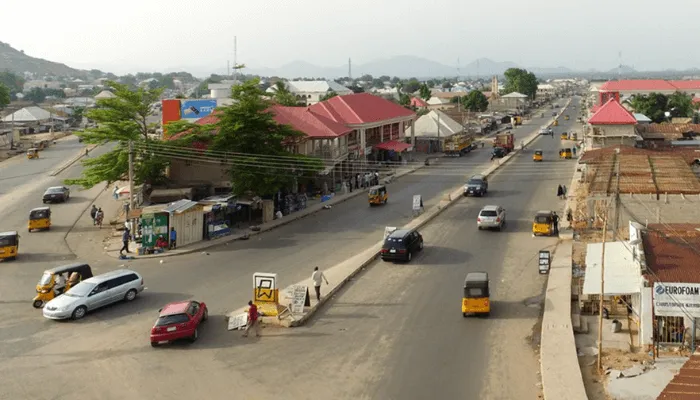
[{"x": 327, "y": 152}]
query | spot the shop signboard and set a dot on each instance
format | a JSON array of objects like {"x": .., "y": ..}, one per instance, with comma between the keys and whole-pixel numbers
[
  {"x": 196, "y": 109},
  {"x": 677, "y": 299},
  {"x": 153, "y": 225}
]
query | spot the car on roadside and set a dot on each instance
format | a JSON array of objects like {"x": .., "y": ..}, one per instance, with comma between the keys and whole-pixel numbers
[
  {"x": 401, "y": 244},
  {"x": 491, "y": 217},
  {"x": 179, "y": 320},
  {"x": 499, "y": 152},
  {"x": 56, "y": 194},
  {"x": 93, "y": 293},
  {"x": 477, "y": 185}
]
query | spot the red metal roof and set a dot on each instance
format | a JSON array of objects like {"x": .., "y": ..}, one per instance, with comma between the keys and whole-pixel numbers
[
  {"x": 612, "y": 113},
  {"x": 393, "y": 145},
  {"x": 595, "y": 108},
  {"x": 418, "y": 102},
  {"x": 686, "y": 384},
  {"x": 638, "y": 84},
  {"x": 686, "y": 84},
  {"x": 672, "y": 251},
  {"x": 312, "y": 124},
  {"x": 175, "y": 308},
  {"x": 360, "y": 108}
]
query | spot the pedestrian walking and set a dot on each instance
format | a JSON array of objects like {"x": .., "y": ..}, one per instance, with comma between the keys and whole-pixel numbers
[
  {"x": 560, "y": 191},
  {"x": 99, "y": 216},
  {"x": 555, "y": 222},
  {"x": 93, "y": 212},
  {"x": 253, "y": 320},
  {"x": 564, "y": 191},
  {"x": 173, "y": 238},
  {"x": 115, "y": 192},
  {"x": 357, "y": 181},
  {"x": 126, "y": 236},
  {"x": 573, "y": 149},
  {"x": 318, "y": 277},
  {"x": 376, "y": 177},
  {"x": 569, "y": 217},
  {"x": 86, "y": 152}
]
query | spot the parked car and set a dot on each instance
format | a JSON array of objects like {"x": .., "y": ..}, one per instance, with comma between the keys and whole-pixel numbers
[
  {"x": 179, "y": 320},
  {"x": 95, "y": 292},
  {"x": 56, "y": 194},
  {"x": 401, "y": 244},
  {"x": 477, "y": 185},
  {"x": 491, "y": 217},
  {"x": 499, "y": 152}
]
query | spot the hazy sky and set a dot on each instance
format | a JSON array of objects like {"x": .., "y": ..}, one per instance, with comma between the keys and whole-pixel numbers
[{"x": 149, "y": 35}]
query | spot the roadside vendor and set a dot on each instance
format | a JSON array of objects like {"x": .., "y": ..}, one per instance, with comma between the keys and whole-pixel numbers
[{"x": 161, "y": 242}]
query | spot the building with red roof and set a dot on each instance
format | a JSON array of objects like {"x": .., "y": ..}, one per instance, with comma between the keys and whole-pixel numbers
[
  {"x": 417, "y": 102},
  {"x": 631, "y": 87},
  {"x": 611, "y": 124}
]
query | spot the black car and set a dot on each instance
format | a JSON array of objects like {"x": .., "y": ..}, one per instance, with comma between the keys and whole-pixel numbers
[
  {"x": 401, "y": 244},
  {"x": 499, "y": 152},
  {"x": 56, "y": 194},
  {"x": 477, "y": 185}
]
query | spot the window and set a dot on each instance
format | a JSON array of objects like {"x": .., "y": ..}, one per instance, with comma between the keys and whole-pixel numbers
[
  {"x": 489, "y": 213},
  {"x": 99, "y": 289},
  {"x": 476, "y": 292},
  {"x": 172, "y": 319},
  {"x": 193, "y": 308},
  {"x": 475, "y": 182},
  {"x": 542, "y": 220}
]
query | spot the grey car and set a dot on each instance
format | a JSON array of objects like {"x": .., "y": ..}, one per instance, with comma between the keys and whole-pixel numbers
[
  {"x": 491, "y": 217},
  {"x": 93, "y": 293},
  {"x": 477, "y": 185}
]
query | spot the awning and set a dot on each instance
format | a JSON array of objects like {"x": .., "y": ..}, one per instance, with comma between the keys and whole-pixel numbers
[
  {"x": 393, "y": 145},
  {"x": 622, "y": 273}
]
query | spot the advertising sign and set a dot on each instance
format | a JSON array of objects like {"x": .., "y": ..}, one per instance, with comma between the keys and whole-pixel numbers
[
  {"x": 196, "y": 109},
  {"x": 677, "y": 299}
]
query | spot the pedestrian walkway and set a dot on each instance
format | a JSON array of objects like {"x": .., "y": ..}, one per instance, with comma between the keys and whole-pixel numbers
[{"x": 114, "y": 243}]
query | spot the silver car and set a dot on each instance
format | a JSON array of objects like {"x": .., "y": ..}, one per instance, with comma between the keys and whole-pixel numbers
[
  {"x": 95, "y": 292},
  {"x": 491, "y": 217}
]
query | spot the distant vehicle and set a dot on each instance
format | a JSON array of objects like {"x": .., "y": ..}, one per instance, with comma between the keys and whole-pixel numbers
[
  {"x": 95, "y": 292},
  {"x": 180, "y": 320},
  {"x": 458, "y": 145},
  {"x": 56, "y": 194},
  {"x": 477, "y": 185},
  {"x": 505, "y": 141},
  {"x": 499, "y": 152},
  {"x": 401, "y": 244},
  {"x": 491, "y": 217}
]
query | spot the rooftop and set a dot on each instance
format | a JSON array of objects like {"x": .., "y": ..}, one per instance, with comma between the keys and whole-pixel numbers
[
  {"x": 672, "y": 251},
  {"x": 685, "y": 385},
  {"x": 612, "y": 113},
  {"x": 360, "y": 108},
  {"x": 666, "y": 131}
]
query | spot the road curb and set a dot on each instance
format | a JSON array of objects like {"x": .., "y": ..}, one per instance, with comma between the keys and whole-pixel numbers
[
  {"x": 73, "y": 160},
  {"x": 283, "y": 222},
  {"x": 452, "y": 197}
]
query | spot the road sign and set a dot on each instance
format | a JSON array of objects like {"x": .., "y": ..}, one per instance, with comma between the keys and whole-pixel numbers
[
  {"x": 417, "y": 202},
  {"x": 300, "y": 299},
  {"x": 238, "y": 321}
]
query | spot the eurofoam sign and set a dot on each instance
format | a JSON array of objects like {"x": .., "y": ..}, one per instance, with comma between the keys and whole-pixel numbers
[
  {"x": 196, "y": 109},
  {"x": 677, "y": 299}
]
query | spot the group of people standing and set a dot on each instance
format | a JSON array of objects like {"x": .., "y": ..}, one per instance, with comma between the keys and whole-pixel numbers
[
  {"x": 369, "y": 178},
  {"x": 97, "y": 215}
]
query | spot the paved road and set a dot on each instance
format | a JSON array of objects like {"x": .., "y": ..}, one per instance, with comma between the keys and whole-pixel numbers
[{"x": 113, "y": 343}]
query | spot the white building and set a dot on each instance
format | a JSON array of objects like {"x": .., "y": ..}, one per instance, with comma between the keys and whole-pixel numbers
[
  {"x": 311, "y": 92},
  {"x": 545, "y": 91}
]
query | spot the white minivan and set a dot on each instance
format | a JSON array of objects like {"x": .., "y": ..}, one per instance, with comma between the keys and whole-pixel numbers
[{"x": 95, "y": 292}]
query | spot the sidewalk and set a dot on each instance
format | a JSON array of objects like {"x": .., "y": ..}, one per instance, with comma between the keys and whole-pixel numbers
[{"x": 113, "y": 244}]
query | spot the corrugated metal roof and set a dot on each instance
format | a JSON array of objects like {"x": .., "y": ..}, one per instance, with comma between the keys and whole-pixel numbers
[
  {"x": 672, "y": 252},
  {"x": 514, "y": 95},
  {"x": 685, "y": 385},
  {"x": 180, "y": 206},
  {"x": 622, "y": 273}
]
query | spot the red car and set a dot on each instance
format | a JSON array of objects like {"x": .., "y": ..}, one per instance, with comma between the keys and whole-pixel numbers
[{"x": 179, "y": 321}]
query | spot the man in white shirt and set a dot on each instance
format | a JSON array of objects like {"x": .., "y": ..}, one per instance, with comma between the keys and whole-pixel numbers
[
  {"x": 60, "y": 283},
  {"x": 318, "y": 279}
]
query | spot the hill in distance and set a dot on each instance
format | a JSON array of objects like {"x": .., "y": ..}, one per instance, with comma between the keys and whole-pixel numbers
[{"x": 16, "y": 61}]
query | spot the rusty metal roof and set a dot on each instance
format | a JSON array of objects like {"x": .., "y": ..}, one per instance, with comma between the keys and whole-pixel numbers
[{"x": 672, "y": 251}]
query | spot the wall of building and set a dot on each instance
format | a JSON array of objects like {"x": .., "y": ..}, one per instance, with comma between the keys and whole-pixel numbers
[
  {"x": 614, "y": 135},
  {"x": 188, "y": 173},
  {"x": 646, "y": 328}
]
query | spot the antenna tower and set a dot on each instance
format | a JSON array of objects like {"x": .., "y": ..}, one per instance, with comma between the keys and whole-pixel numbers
[
  {"x": 235, "y": 57},
  {"x": 619, "y": 65},
  {"x": 459, "y": 72},
  {"x": 350, "y": 68},
  {"x": 228, "y": 68}
]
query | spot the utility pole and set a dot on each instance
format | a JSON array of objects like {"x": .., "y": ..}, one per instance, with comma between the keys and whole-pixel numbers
[
  {"x": 602, "y": 292},
  {"x": 235, "y": 57},
  {"x": 131, "y": 176},
  {"x": 438, "y": 130}
]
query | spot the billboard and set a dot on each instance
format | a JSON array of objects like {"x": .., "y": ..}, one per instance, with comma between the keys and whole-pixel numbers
[
  {"x": 196, "y": 109},
  {"x": 677, "y": 299}
]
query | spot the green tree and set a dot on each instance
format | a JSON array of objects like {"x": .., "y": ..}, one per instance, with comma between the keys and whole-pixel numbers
[
  {"x": 424, "y": 91},
  {"x": 446, "y": 85},
  {"x": 653, "y": 106},
  {"x": 36, "y": 95},
  {"x": 521, "y": 81},
  {"x": 283, "y": 95},
  {"x": 404, "y": 99},
  {"x": 680, "y": 105},
  {"x": 328, "y": 95},
  {"x": 120, "y": 120},
  {"x": 260, "y": 161},
  {"x": 77, "y": 115},
  {"x": 4, "y": 96},
  {"x": 475, "y": 101},
  {"x": 14, "y": 82},
  {"x": 411, "y": 86}
]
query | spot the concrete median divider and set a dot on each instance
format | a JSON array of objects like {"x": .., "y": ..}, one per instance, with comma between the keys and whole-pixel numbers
[
  {"x": 341, "y": 273},
  {"x": 72, "y": 160}
]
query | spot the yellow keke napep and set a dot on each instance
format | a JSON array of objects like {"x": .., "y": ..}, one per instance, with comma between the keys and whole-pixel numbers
[
  {"x": 378, "y": 195},
  {"x": 537, "y": 156},
  {"x": 39, "y": 218},
  {"x": 543, "y": 224},
  {"x": 46, "y": 288},
  {"x": 475, "y": 299},
  {"x": 555, "y": 123},
  {"x": 33, "y": 153},
  {"x": 565, "y": 153},
  {"x": 566, "y": 117},
  {"x": 564, "y": 136},
  {"x": 9, "y": 245}
]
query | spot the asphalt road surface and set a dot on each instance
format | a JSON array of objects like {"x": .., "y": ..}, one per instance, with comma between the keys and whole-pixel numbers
[{"x": 111, "y": 345}]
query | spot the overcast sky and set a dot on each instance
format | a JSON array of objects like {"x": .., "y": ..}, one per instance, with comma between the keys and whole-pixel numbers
[{"x": 148, "y": 35}]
